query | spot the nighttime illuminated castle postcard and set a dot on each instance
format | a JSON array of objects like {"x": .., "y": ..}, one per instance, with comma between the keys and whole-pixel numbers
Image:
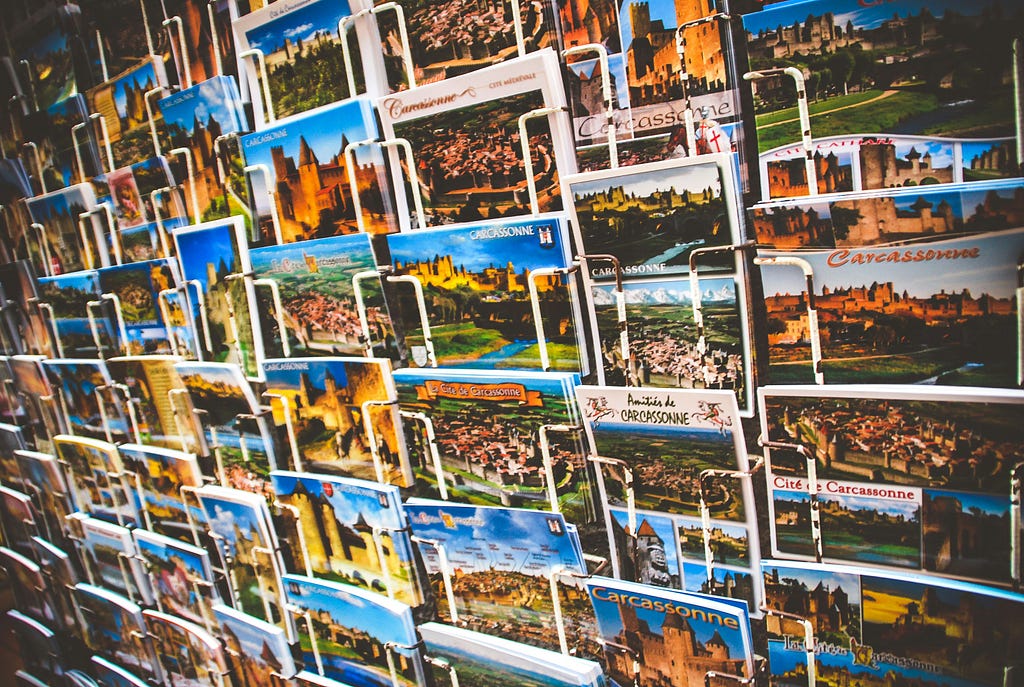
[
  {"x": 161, "y": 473},
  {"x": 652, "y": 217},
  {"x": 941, "y": 312},
  {"x": 180, "y": 576},
  {"x": 666, "y": 439},
  {"x": 675, "y": 637},
  {"x": 465, "y": 139},
  {"x": 320, "y": 309},
  {"x": 476, "y": 287},
  {"x": 924, "y": 470},
  {"x": 352, "y": 632},
  {"x": 500, "y": 560},
  {"x": 310, "y": 174},
  {"x": 487, "y": 427},
  {"x": 875, "y": 629},
  {"x": 335, "y": 430},
  {"x": 353, "y": 531}
]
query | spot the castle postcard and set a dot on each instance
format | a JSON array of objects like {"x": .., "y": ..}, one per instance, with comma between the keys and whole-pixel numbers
[
  {"x": 952, "y": 84},
  {"x": 500, "y": 561},
  {"x": 137, "y": 286},
  {"x": 666, "y": 348},
  {"x": 873, "y": 629},
  {"x": 483, "y": 660},
  {"x": 310, "y": 174},
  {"x": 301, "y": 48},
  {"x": 180, "y": 576},
  {"x": 335, "y": 430},
  {"x": 321, "y": 311},
  {"x": 666, "y": 439},
  {"x": 249, "y": 551},
  {"x": 185, "y": 651},
  {"x": 476, "y": 287},
  {"x": 466, "y": 142},
  {"x": 216, "y": 255},
  {"x": 86, "y": 397},
  {"x": 228, "y": 417},
  {"x": 122, "y": 102},
  {"x": 353, "y": 531},
  {"x": 924, "y": 470},
  {"x": 108, "y": 557},
  {"x": 257, "y": 652},
  {"x": 148, "y": 379},
  {"x": 114, "y": 628},
  {"x": 942, "y": 312},
  {"x": 160, "y": 473},
  {"x": 657, "y": 637},
  {"x": 653, "y": 216},
  {"x": 76, "y": 324},
  {"x": 60, "y": 244},
  {"x": 487, "y": 427},
  {"x": 358, "y": 637},
  {"x": 95, "y": 475}
]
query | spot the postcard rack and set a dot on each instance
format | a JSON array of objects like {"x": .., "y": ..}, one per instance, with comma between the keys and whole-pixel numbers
[
  {"x": 812, "y": 485},
  {"x": 706, "y": 480},
  {"x": 812, "y": 310}
]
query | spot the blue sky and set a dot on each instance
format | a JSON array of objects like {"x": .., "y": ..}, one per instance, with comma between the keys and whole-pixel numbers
[
  {"x": 903, "y": 201},
  {"x": 942, "y": 152},
  {"x": 908, "y": 509},
  {"x": 316, "y": 370},
  {"x": 198, "y": 248},
  {"x": 156, "y": 547},
  {"x": 253, "y": 632},
  {"x": 617, "y": 66},
  {"x": 350, "y": 498},
  {"x": 299, "y": 24},
  {"x": 845, "y": 10},
  {"x": 664, "y": 10},
  {"x": 224, "y": 514},
  {"x": 385, "y": 620},
  {"x": 994, "y": 272},
  {"x": 137, "y": 77},
  {"x": 356, "y": 246},
  {"x": 692, "y": 177},
  {"x": 663, "y": 527},
  {"x": 476, "y": 254},
  {"x": 210, "y": 98},
  {"x": 990, "y": 504},
  {"x": 850, "y": 582},
  {"x": 496, "y": 538}
]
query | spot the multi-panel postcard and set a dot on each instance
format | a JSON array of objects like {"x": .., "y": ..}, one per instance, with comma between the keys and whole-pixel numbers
[
  {"x": 661, "y": 442},
  {"x": 465, "y": 140},
  {"x": 226, "y": 414},
  {"x": 862, "y": 80},
  {"x": 662, "y": 637},
  {"x": 343, "y": 414},
  {"x": 500, "y": 563},
  {"x": 907, "y": 477},
  {"x": 255, "y": 649},
  {"x": 476, "y": 282},
  {"x": 310, "y": 183},
  {"x": 352, "y": 531},
  {"x": 480, "y": 660},
  {"x": 873, "y": 628},
  {"x": 96, "y": 476},
  {"x": 240, "y": 523},
  {"x": 355, "y": 636},
  {"x": 942, "y": 312},
  {"x": 83, "y": 323},
  {"x": 159, "y": 475},
  {"x": 322, "y": 310},
  {"x": 488, "y": 434},
  {"x": 215, "y": 255},
  {"x": 180, "y": 576}
]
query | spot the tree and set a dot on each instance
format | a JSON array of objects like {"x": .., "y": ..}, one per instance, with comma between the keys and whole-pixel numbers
[{"x": 842, "y": 64}]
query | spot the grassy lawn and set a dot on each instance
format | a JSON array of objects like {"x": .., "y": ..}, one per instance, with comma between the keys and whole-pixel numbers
[
  {"x": 561, "y": 357},
  {"x": 895, "y": 369},
  {"x": 770, "y": 118}
]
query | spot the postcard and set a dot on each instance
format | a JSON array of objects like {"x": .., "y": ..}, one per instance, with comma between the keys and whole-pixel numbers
[
  {"x": 36, "y": 396},
  {"x": 335, "y": 431},
  {"x": 19, "y": 518},
  {"x": 60, "y": 243},
  {"x": 41, "y": 649},
  {"x": 51, "y": 44},
  {"x": 108, "y": 557},
  {"x": 258, "y": 652},
  {"x": 301, "y": 47},
  {"x": 353, "y": 531},
  {"x": 86, "y": 398},
  {"x": 320, "y": 307},
  {"x": 481, "y": 659},
  {"x": 937, "y": 313},
  {"x": 61, "y": 575},
  {"x": 112, "y": 626},
  {"x": 353, "y": 633},
  {"x": 54, "y": 164},
  {"x": 487, "y": 427},
  {"x": 891, "y": 626},
  {"x": 310, "y": 172},
  {"x": 476, "y": 287},
  {"x": 95, "y": 475},
  {"x": 215, "y": 254},
  {"x": 195, "y": 118},
  {"x": 43, "y": 478},
  {"x": 12, "y": 439},
  {"x": 500, "y": 561},
  {"x": 897, "y": 93},
  {"x": 666, "y": 439},
  {"x": 227, "y": 415},
  {"x": 31, "y": 592},
  {"x": 122, "y": 102},
  {"x": 200, "y": 47},
  {"x": 653, "y": 216},
  {"x": 18, "y": 281},
  {"x": 666, "y": 348},
  {"x": 889, "y": 216},
  {"x": 109, "y": 674},
  {"x": 185, "y": 651},
  {"x": 675, "y": 637},
  {"x": 160, "y": 473},
  {"x": 240, "y": 523},
  {"x": 79, "y": 316},
  {"x": 180, "y": 576},
  {"x": 465, "y": 139},
  {"x": 912, "y": 465},
  {"x": 147, "y": 382},
  {"x": 137, "y": 286}
]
